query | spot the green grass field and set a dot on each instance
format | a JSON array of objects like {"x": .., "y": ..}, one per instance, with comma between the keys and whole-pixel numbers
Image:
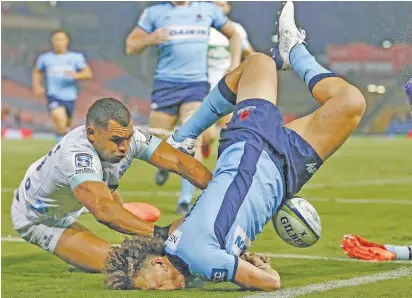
[{"x": 366, "y": 188}]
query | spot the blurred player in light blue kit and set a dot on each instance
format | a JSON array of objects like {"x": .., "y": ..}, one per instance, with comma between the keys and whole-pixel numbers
[
  {"x": 261, "y": 163},
  {"x": 61, "y": 69},
  {"x": 180, "y": 31}
]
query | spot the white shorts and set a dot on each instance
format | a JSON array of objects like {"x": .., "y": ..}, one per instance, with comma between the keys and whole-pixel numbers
[{"x": 41, "y": 232}]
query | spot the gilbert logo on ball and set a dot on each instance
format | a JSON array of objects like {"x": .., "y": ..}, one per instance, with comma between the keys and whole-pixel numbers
[{"x": 297, "y": 223}]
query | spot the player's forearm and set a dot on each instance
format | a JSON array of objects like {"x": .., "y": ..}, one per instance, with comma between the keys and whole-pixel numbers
[
  {"x": 235, "y": 45},
  {"x": 36, "y": 79},
  {"x": 85, "y": 74},
  {"x": 119, "y": 219},
  {"x": 194, "y": 171},
  {"x": 138, "y": 45}
]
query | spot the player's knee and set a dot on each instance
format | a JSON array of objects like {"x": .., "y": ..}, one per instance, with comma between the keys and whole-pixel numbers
[
  {"x": 355, "y": 103},
  {"x": 261, "y": 60}
]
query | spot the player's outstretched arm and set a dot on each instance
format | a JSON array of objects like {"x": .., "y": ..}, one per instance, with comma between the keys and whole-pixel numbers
[
  {"x": 96, "y": 197},
  {"x": 252, "y": 273},
  {"x": 167, "y": 157},
  {"x": 235, "y": 44}
]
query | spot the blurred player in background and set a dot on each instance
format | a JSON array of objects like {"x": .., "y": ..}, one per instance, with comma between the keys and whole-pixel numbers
[
  {"x": 84, "y": 171},
  {"x": 180, "y": 31},
  {"x": 261, "y": 162},
  {"x": 60, "y": 69},
  {"x": 219, "y": 64}
]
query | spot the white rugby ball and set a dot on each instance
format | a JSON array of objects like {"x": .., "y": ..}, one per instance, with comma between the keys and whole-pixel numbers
[{"x": 297, "y": 223}]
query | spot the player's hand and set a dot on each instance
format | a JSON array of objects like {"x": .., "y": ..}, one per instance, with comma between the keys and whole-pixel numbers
[
  {"x": 39, "y": 90},
  {"x": 261, "y": 262},
  {"x": 159, "y": 36}
]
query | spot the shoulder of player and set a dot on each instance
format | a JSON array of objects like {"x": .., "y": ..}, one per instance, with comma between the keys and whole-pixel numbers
[
  {"x": 47, "y": 54},
  {"x": 75, "y": 54},
  {"x": 158, "y": 8},
  {"x": 76, "y": 142}
]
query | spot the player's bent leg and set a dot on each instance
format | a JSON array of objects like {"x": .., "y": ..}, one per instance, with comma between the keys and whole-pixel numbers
[
  {"x": 60, "y": 119},
  {"x": 328, "y": 127},
  {"x": 186, "y": 111},
  {"x": 257, "y": 80},
  {"x": 81, "y": 248}
]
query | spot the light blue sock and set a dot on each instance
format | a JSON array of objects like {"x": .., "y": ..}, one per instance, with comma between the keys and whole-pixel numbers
[
  {"x": 58, "y": 137},
  {"x": 186, "y": 192},
  {"x": 402, "y": 252},
  {"x": 306, "y": 67},
  {"x": 220, "y": 102}
]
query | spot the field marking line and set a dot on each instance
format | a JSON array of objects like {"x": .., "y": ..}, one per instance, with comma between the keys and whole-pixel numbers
[{"x": 336, "y": 284}]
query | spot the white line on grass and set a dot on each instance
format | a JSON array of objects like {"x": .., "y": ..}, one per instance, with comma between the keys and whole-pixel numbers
[{"x": 336, "y": 284}]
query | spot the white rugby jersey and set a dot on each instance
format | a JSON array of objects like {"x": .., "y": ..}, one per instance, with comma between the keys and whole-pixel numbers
[
  {"x": 48, "y": 185},
  {"x": 219, "y": 52}
]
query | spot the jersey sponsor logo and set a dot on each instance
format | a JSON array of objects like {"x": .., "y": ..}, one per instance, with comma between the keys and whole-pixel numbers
[
  {"x": 219, "y": 275},
  {"x": 174, "y": 239},
  {"x": 187, "y": 32},
  {"x": 241, "y": 241},
  {"x": 85, "y": 171},
  {"x": 83, "y": 160},
  {"x": 245, "y": 112}
]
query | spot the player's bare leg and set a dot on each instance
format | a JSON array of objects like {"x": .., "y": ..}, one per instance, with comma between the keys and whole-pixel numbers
[
  {"x": 161, "y": 124},
  {"x": 343, "y": 105},
  {"x": 186, "y": 111},
  {"x": 60, "y": 120},
  {"x": 79, "y": 247}
]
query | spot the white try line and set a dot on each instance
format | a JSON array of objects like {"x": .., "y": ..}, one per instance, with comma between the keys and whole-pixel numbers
[{"x": 336, "y": 284}]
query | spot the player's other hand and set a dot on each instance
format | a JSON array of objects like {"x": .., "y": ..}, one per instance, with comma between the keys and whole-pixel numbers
[
  {"x": 159, "y": 36},
  {"x": 39, "y": 90}
]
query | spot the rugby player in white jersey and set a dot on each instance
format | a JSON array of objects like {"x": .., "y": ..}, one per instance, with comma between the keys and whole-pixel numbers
[
  {"x": 83, "y": 171},
  {"x": 219, "y": 63}
]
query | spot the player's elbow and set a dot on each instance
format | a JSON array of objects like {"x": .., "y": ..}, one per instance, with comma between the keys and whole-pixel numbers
[
  {"x": 102, "y": 214},
  {"x": 273, "y": 284}
]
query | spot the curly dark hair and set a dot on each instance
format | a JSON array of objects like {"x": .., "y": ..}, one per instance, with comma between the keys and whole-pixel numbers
[{"x": 125, "y": 261}]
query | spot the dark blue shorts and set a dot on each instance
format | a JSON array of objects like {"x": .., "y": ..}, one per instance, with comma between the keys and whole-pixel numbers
[
  {"x": 259, "y": 121},
  {"x": 69, "y": 105},
  {"x": 168, "y": 96}
]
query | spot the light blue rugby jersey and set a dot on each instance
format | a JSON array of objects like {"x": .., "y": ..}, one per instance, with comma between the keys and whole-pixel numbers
[
  {"x": 58, "y": 84},
  {"x": 183, "y": 58},
  {"x": 246, "y": 190}
]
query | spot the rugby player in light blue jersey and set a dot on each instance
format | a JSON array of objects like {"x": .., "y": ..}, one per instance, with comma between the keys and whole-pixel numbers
[
  {"x": 180, "y": 32},
  {"x": 61, "y": 68},
  {"x": 261, "y": 163}
]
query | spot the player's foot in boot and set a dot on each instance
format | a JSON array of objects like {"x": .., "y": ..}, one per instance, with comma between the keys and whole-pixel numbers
[
  {"x": 358, "y": 248},
  {"x": 288, "y": 35}
]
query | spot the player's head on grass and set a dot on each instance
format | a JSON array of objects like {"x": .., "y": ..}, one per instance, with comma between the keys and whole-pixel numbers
[
  {"x": 109, "y": 129},
  {"x": 60, "y": 40},
  {"x": 139, "y": 264}
]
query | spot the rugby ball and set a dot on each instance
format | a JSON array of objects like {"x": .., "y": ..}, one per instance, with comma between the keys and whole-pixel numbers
[{"x": 297, "y": 223}]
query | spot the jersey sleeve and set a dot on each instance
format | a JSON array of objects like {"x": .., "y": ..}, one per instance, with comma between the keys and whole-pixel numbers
[
  {"x": 243, "y": 36},
  {"x": 80, "y": 62},
  {"x": 143, "y": 144},
  {"x": 81, "y": 166},
  {"x": 41, "y": 63},
  {"x": 215, "y": 266},
  {"x": 146, "y": 21},
  {"x": 219, "y": 19}
]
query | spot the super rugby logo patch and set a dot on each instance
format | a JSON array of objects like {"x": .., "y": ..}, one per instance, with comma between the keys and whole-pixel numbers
[{"x": 83, "y": 160}]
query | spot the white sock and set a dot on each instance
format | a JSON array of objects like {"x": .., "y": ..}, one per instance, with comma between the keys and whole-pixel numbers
[{"x": 402, "y": 252}]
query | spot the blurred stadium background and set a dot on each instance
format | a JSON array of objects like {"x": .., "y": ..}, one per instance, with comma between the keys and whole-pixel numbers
[{"x": 369, "y": 46}]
